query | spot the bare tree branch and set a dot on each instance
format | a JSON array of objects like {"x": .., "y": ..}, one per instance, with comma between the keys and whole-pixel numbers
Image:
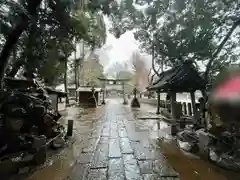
[{"x": 215, "y": 54}]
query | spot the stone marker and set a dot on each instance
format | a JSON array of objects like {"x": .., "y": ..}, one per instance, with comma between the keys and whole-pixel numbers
[{"x": 70, "y": 128}]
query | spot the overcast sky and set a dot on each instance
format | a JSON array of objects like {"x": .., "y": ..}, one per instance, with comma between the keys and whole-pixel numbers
[{"x": 116, "y": 50}]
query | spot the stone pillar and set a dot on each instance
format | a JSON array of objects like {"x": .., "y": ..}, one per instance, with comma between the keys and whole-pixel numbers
[
  {"x": 189, "y": 109},
  {"x": 135, "y": 103},
  {"x": 158, "y": 102}
]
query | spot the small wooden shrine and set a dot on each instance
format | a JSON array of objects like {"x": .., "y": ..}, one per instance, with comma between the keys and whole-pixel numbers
[
  {"x": 88, "y": 96},
  {"x": 182, "y": 78},
  {"x": 33, "y": 86},
  {"x": 55, "y": 96}
]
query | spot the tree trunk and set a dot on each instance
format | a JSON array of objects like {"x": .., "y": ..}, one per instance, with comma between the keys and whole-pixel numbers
[
  {"x": 80, "y": 63},
  {"x": 65, "y": 82},
  {"x": 76, "y": 70},
  {"x": 13, "y": 37},
  {"x": 153, "y": 60},
  {"x": 15, "y": 67}
]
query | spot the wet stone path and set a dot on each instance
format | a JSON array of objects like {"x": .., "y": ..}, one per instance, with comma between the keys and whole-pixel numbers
[
  {"x": 115, "y": 145},
  {"x": 115, "y": 142}
]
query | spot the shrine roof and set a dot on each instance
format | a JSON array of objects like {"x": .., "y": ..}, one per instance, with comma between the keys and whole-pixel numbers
[
  {"x": 113, "y": 79},
  {"x": 182, "y": 78}
]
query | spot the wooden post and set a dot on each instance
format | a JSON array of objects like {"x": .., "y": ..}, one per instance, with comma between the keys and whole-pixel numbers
[
  {"x": 103, "y": 91},
  {"x": 70, "y": 128},
  {"x": 179, "y": 112},
  {"x": 57, "y": 103},
  {"x": 103, "y": 95},
  {"x": 184, "y": 108},
  {"x": 124, "y": 99},
  {"x": 194, "y": 105},
  {"x": 189, "y": 109},
  {"x": 158, "y": 102},
  {"x": 173, "y": 105}
]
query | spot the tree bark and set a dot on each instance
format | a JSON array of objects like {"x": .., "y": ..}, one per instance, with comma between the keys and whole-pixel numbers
[
  {"x": 13, "y": 37},
  {"x": 153, "y": 61},
  {"x": 15, "y": 67},
  {"x": 76, "y": 69}
]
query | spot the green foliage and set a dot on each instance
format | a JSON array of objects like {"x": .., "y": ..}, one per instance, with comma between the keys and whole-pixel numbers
[
  {"x": 90, "y": 71},
  {"x": 129, "y": 86},
  {"x": 180, "y": 30},
  {"x": 48, "y": 41}
]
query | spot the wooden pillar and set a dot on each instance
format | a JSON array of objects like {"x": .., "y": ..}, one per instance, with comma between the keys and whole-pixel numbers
[
  {"x": 189, "y": 106},
  {"x": 184, "y": 108},
  {"x": 173, "y": 105},
  {"x": 57, "y": 103},
  {"x": 194, "y": 105},
  {"x": 179, "y": 110},
  {"x": 104, "y": 90},
  {"x": 124, "y": 99},
  {"x": 158, "y": 102}
]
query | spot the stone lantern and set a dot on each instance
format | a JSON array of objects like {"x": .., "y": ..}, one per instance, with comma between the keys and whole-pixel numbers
[{"x": 135, "y": 103}]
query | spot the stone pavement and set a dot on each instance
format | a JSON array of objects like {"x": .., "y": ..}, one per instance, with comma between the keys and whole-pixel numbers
[
  {"x": 121, "y": 148},
  {"x": 111, "y": 143}
]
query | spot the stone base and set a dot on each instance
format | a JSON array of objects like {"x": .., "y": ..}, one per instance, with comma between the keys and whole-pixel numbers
[
  {"x": 135, "y": 103},
  {"x": 203, "y": 144}
]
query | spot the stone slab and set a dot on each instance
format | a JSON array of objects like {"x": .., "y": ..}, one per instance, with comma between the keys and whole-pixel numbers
[{"x": 114, "y": 148}]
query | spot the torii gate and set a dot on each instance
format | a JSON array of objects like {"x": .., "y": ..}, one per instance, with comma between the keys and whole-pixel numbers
[{"x": 121, "y": 80}]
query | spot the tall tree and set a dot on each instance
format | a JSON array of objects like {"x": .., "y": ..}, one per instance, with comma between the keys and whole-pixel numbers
[
  {"x": 35, "y": 24},
  {"x": 90, "y": 71},
  {"x": 174, "y": 31}
]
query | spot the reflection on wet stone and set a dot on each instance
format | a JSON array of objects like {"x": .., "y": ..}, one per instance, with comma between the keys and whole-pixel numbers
[
  {"x": 162, "y": 169},
  {"x": 148, "y": 177},
  {"x": 146, "y": 143},
  {"x": 97, "y": 174},
  {"x": 85, "y": 158},
  {"x": 103, "y": 140},
  {"x": 106, "y": 131},
  {"x": 114, "y": 148},
  {"x": 122, "y": 132},
  {"x": 131, "y": 168},
  {"x": 100, "y": 159},
  {"x": 120, "y": 124},
  {"x": 146, "y": 167},
  {"x": 91, "y": 146},
  {"x": 141, "y": 152},
  {"x": 114, "y": 131},
  {"x": 79, "y": 171},
  {"x": 116, "y": 169},
  {"x": 125, "y": 146}
]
